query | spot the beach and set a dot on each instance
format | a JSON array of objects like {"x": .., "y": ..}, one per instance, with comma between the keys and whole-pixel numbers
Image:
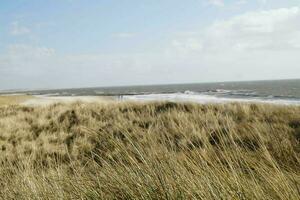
[
  {"x": 144, "y": 146},
  {"x": 279, "y": 92},
  {"x": 45, "y": 100},
  {"x": 149, "y": 100},
  {"x": 48, "y": 100}
]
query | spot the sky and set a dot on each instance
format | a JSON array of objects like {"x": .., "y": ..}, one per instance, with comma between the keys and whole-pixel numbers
[{"x": 89, "y": 43}]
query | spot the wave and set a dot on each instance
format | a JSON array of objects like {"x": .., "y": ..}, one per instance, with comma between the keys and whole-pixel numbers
[{"x": 189, "y": 96}]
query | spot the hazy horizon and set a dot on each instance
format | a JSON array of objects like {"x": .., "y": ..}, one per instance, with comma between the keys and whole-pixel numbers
[
  {"x": 55, "y": 44},
  {"x": 145, "y": 85}
]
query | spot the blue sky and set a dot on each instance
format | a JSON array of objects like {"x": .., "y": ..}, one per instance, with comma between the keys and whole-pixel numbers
[{"x": 80, "y": 43}]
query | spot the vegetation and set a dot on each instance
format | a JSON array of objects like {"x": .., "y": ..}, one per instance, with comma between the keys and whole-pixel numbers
[
  {"x": 150, "y": 151},
  {"x": 13, "y": 99}
]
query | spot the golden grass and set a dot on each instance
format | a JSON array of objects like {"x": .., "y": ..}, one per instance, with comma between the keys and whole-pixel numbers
[
  {"x": 13, "y": 99},
  {"x": 150, "y": 151}
]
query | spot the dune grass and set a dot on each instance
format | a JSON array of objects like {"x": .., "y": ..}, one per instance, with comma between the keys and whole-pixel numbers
[
  {"x": 6, "y": 100},
  {"x": 150, "y": 151}
]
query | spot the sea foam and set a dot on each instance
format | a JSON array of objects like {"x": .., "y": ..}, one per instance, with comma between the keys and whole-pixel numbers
[{"x": 190, "y": 96}]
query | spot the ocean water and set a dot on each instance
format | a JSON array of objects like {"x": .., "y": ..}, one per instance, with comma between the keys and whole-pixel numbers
[{"x": 278, "y": 91}]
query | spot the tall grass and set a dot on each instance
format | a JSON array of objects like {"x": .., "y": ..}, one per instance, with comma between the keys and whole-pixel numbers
[{"x": 150, "y": 151}]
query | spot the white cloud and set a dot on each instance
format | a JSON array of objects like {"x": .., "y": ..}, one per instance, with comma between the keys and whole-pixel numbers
[
  {"x": 262, "y": 30},
  {"x": 216, "y": 2},
  {"x": 28, "y": 51},
  {"x": 25, "y": 60},
  {"x": 254, "y": 45},
  {"x": 262, "y": 2},
  {"x": 17, "y": 29},
  {"x": 25, "y": 66}
]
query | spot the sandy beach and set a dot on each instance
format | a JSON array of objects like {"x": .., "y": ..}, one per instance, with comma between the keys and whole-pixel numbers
[
  {"x": 48, "y": 100},
  {"x": 44, "y": 100}
]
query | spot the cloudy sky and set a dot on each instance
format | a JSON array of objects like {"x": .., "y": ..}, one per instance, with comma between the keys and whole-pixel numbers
[{"x": 86, "y": 43}]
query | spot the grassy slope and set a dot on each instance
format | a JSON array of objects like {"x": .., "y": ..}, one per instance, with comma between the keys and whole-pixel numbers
[{"x": 150, "y": 151}]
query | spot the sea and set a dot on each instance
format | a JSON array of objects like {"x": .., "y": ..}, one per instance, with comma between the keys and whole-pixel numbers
[{"x": 271, "y": 91}]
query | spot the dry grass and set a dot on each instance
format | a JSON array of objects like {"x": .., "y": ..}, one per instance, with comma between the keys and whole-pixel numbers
[
  {"x": 13, "y": 99},
  {"x": 150, "y": 151}
]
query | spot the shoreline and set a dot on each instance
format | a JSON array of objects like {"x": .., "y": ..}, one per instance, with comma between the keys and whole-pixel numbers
[
  {"x": 45, "y": 100},
  {"x": 207, "y": 99}
]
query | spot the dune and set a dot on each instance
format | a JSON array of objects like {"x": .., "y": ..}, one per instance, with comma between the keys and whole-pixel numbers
[{"x": 159, "y": 150}]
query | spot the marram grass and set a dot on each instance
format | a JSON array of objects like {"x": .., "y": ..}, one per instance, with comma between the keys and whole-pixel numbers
[{"x": 150, "y": 151}]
